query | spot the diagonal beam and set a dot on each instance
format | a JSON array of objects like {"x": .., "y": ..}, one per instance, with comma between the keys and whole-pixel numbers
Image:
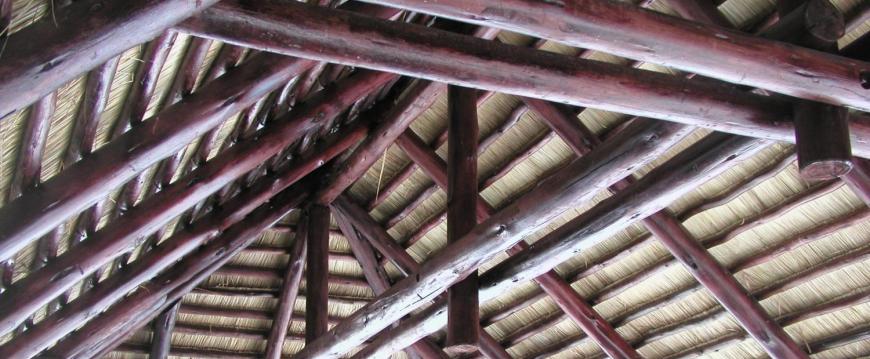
[
  {"x": 378, "y": 279},
  {"x": 57, "y": 49},
  {"x": 161, "y": 339},
  {"x": 289, "y": 291},
  {"x": 342, "y": 37},
  {"x": 698, "y": 164},
  {"x": 157, "y": 294},
  {"x": 555, "y": 286},
  {"x": 574, "y": 184},
  {"x": 90, "y": 303},
  {"x": 362, "y": 221},
  {"x": 859, "y": 179},
  {"x": 629, "y": 31},
  {"x": 119, "y": 236}
]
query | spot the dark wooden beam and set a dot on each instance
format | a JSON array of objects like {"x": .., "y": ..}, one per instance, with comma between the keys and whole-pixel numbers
[
  {"x": 565, "y": 297},
  {"x": 701, "y": 162},
  {"x": 118, "y": 237},
  {"x": 28, "y": 167},
  {"x": 463, "y": 307},
  {"x": 161, "y": 337},
  {"x": 859, "y": 179},
  {"x": 157, "y": 294},
  {"x": 171, "y": 250},
  {"x": 462, "y": 60},
  {"x": 289, "y": 291},
  {"x": 822, "y": 134},
  {"x": 50, "y": 53},
  {"x": 573, "y": 184},
  {"x": 704, "y": 11},
  {"x": 626, "y": 30},
  {"x": 378, "y": 279},
  {"x": 316, "y": 273},
  {"x": 113, "y": 164}
]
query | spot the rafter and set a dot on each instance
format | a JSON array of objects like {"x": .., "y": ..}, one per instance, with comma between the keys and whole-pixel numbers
[
  {"x": 289, "y": 291},
  {"x": 316, "y": 303}
]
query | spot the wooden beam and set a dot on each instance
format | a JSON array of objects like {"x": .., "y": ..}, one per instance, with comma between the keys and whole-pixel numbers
[
  {"x": 701, "y": 162},
  {"x": 25, "y": 178},
  {"x": 822, "y": 133},
  {"x": 115, "y": 287},
  {"x": 119, "y": 236},
  {"x": 30, "y": 216},
  {"x": 289, "y": 291},
  {"x": 463, "y": 307},
  {"x": 461, "y": 60},
  {"x": 161, "y": 337},
  {"x": 704, "y": 11},
  {"x": 42, "y": 57},
  {"x": 565, "y": 297},
  {"x": 626, "y": 30},
  {"x": 725, "y": 288},
  {"x": 157, "y": 294},
  {"x": 378, "y": 279},
  {"x": 859, "y": 179},
  {"x": 573, "y": 184},
  {"x": 316, "y": 274}
]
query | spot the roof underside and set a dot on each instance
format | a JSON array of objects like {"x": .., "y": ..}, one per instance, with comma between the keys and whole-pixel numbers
[{"x": 632, "y": 281}]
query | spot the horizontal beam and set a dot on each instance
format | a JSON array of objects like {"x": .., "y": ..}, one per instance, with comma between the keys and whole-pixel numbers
[
  {"x": 60, "y": 47},
  {"x": 629, "y": 31},
  {"x": 352, "y": 39}
]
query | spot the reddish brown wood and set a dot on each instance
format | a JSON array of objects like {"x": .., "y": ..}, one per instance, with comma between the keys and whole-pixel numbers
[
  {"x": 162, "y": 333},
  {"x": 155, "y": 295},
  {"x": 573, "y": 184},
  {"x": 44, "y": 56},
  {"x": 725, "y": 288},
  {"x": 96, "y": 176},
  {"x": 648, "y": 36},
  {"x": 54, "y": 327},
  {"x": 859, "y": 179},
  {"x": 289, "y": 290},
  {"x": 235, "y": 292},
  {"x": 144, "y": 83},
  {"x": 316, "y": 274},
  {"x": 463, "y": 307},
  {"x": 84, "y": 133},
  {"x": 189, "y": 352},
  {"x": 822, "y": 133},
  {"x": 29, "y": 164},
  {"x": 704, "y": 11},
  {"x": 462, "y": 60},
  {"x": 702, "y": 161}
]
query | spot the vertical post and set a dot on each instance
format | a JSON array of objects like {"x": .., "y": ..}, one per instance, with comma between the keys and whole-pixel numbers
[
  {"x": 316, "y": 278},
  {"x": 821, "y": 130},
  {"x": 161, "y": 340},
  {"x": 289, "y": 291},
  {"x": 463, "y": 306}
]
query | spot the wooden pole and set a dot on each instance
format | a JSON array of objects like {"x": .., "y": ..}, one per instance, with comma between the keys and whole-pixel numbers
[
  {"x": 568, "y": 300},
  {"x": 378, "y": 279},
  {"x": 115, "y": 287},
  {"x": 161, "y": 338},
  {"x": 628, "y": 31},
  {"x": 32, "y": 215},
  {"x": 462, "y": 60},
  {"x": 698, "y": 164},
  {"x": 822, "y": 133},
  {"x": 859, "y": 179},
  {"x": 57, "y": 49},
  {"x": 463, "y": 307},
  {"x": 118, "y": 237},
  {"x": 157, "y": 294},
  {"x": 573, "y": 184},
  {"x": 289, "y": 291},
  {"x": 316, "y": 273}
]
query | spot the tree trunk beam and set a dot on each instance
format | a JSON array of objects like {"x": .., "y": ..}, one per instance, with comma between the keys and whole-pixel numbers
[
  {"x": 822, "y": 134},
  {"x": 57, "y": 49},
  {"x": 289, "y": 291},
  {"x": 462, "y": 60},
  {"x": 628, "y": 31},
  {"x": 316, "y": 273},
  {"x": 161, "y": 337},
  {"x": 859, "y": 179},
  {"x": 463, "y": 307}
]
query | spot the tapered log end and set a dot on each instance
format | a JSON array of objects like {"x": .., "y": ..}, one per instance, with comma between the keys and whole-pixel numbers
[
  {"x": 825, "y": 170},
  {"x": 460, "y": 349}
]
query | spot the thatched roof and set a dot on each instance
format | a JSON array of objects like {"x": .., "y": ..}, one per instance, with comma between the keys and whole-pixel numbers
[{"x": 817, "y": 290}]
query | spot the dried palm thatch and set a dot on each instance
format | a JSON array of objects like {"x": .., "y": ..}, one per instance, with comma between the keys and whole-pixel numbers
[{"x": 798, "y": 247}]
